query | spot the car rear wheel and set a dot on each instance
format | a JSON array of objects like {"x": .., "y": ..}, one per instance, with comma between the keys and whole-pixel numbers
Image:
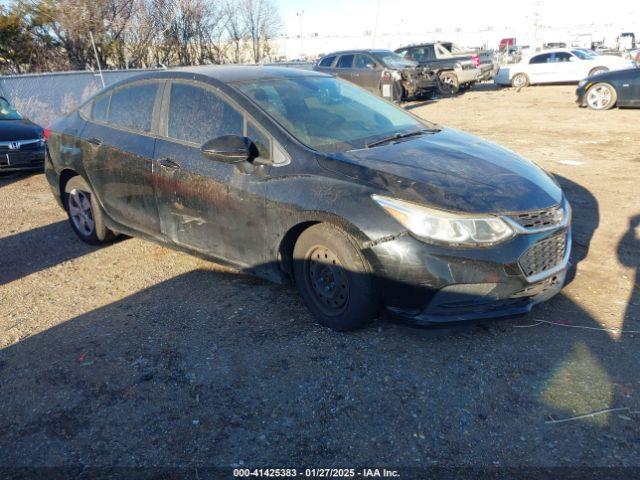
[
  {"x": 520, "y": 80},
  {"x": 84, "y": 213},
  {"x": 448, "y": 84},
  {"x": 334, "y": 278},
  {"x": 598, "y": 71},
  {"x": 601, "y": 96}
]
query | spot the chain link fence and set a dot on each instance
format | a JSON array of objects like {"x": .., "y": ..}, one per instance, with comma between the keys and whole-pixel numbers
[{"x": 44, "y": 97}]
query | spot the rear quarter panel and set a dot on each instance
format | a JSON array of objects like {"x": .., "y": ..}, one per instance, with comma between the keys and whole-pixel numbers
[{"x": 64, "y": 149}]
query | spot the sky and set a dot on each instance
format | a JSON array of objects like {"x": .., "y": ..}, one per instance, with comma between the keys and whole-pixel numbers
[{"x": 335, "y": 17}]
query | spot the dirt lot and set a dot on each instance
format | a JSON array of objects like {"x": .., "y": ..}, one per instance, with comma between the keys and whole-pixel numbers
[{"x": 135, "y": 355}]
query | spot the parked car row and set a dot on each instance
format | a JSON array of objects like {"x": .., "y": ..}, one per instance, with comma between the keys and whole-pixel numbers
[
  {"x": 604, "y": 81},
  {"x": 559, "y": 65},
  {"x": 414, "y": 71}
]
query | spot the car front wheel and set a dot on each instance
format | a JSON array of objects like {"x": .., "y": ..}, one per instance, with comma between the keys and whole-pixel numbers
[
  {"x": 601, "y": 96},
  {"x": 84, "y": 213},
  {"x": 334, "y": 278}
]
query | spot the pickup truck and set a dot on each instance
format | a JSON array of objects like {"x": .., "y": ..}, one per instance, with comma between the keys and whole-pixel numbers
[{"x": 457, "y": 68}]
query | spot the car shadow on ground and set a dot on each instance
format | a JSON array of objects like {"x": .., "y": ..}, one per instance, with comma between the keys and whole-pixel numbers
[
  {"x": 486, "y": 87},
  {"x": 34, "y": 250},
  {"x": 212, "y": 368},
  {"x": 7, "y": 178}
]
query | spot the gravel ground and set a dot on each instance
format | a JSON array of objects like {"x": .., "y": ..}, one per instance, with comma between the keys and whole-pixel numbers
[{"x": 136, "y": 355}]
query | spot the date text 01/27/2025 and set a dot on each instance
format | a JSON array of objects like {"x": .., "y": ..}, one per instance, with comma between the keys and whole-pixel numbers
[{"x": 316, "y": 473}]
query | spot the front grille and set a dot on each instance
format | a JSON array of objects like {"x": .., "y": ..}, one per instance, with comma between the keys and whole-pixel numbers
[
  {"x": 544, "y": 255},
  {"x": 548, "y": 217},
  {"x": 29, "y": 147}
]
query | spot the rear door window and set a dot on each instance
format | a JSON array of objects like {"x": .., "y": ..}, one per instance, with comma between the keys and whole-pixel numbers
[
  {"x": 327, "y": 61},
  {"x": 197, "y": 115},
  {"x": 544, "y": 58},
  {"x": 345, "y": 61},
  {"x": 132, "y": 107}
]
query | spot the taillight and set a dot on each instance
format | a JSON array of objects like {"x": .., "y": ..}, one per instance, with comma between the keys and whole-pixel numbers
[
  {"x": 476, "y": 59},
  {"x": 47, "y": 133}
]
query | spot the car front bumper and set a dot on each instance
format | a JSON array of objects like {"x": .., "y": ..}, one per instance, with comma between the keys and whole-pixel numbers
[
  {"x": 430, "y": 285},
  {"x": 13, "y": 161},
  {"x": 581, "y": 96}
]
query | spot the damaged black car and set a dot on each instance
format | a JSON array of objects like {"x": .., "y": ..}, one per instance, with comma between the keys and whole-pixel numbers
[
  {"x": 382, "y": 72},
  {"x": 298, "y": 176}
]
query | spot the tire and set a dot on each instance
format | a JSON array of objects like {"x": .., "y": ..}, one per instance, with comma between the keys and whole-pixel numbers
[
  {"x": 601, "y": 96},
  {"x": 448, "y": 84},
  {"x": 85, "y": 215},
  {"x": 520, "y": 80},
  {"x": 598, "y": 71},
  {"x": 334, "y": 278}
]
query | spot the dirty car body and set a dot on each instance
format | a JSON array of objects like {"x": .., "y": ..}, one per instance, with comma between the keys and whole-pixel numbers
[
  {"x": 382, "y": 72},
  {"x": 404, "y": 190}
]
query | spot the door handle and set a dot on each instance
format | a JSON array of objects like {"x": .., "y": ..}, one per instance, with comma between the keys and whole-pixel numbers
[
  {"x": 168, "y": 163},
  {"x": 355, "y": 74},
  {"x": 95, "y": 141}
]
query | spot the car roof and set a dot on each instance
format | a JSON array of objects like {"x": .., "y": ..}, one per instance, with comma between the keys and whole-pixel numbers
[
  {"x": 242, "y": 73},
  {"x": 371, "y": 51}
]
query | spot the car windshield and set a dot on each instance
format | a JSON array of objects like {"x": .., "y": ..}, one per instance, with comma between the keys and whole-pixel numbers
[
  {"x": 7, "y": 112},
  {"x": 328, "y": 114},
  {"x": 394, "y": 60},
  {"x": 582, "y": 55}
]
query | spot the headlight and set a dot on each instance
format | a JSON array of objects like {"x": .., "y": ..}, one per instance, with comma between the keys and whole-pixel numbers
[{"x": 446, "y": 228}]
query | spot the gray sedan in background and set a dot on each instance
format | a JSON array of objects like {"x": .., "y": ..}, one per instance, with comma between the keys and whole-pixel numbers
[{"x": 382, "y": 72}]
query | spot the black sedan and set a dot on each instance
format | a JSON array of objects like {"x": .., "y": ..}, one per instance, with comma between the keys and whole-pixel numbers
[
  {"x": 296, "y": 175},
  {"x": 21, "y": 141},
  {"x": 604, "y": 91}
]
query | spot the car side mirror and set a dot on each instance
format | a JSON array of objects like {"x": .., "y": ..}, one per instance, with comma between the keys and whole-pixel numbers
[
  {"x": 227, "y": 149},
  {"x": 372, "y": 66}
]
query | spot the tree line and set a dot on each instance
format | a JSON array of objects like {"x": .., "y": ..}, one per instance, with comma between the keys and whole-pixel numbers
[{"x": 55, "y": 35}]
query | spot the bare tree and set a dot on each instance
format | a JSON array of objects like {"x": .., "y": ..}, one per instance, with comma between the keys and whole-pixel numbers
[
  {"x": 40, "y": 35},
  {"x": 262, "y": 23}
]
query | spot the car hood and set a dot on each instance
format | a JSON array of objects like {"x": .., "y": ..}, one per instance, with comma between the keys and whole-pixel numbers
[
  {"x": 612, "y": 61},
  {"x": 453, "y": 171},
  {"x": 11, "y": 130}
]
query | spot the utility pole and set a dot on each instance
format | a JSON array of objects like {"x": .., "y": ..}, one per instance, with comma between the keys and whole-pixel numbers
[
  {"x": 536, "y": 22},
  {"x": 375, "y": 26},
  {"x": 299, "y": 14}
]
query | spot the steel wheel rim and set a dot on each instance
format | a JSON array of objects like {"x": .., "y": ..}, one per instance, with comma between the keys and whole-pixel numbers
[
  {"x": 327, "y": 280},
  {"x": 80, "y": 212},
  {"x": 518, "y": 81},
  {"x": 599, "y": 97}
]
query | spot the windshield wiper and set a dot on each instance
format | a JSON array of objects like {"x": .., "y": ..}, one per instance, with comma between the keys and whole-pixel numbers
[{"x": 399, "y": 136}]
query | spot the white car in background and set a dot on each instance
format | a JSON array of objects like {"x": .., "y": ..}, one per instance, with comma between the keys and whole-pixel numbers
[{"x": 558, "y": 65}]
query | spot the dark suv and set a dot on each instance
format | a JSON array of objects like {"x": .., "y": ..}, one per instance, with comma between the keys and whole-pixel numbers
[
  {"x": 382, "y": 72},
  {"x": 296, "y": 175}
]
